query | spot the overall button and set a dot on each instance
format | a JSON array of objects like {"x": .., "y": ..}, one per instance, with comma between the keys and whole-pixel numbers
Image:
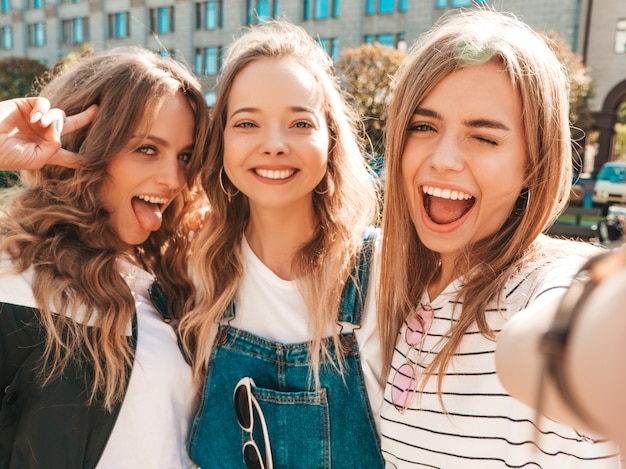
[{"x": 347, "y": 343}]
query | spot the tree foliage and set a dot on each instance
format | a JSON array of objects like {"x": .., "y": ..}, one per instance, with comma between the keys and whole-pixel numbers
[
  {"x": 366, "y": 74},
  {"x": 18, "y": 75},
  {"x": 621, "y": 113},
  {"x": 582, "y": 87}
]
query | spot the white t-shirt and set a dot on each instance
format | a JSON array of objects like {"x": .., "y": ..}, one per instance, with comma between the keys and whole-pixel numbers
[
  {"x": 285, "y": 316},
  {"x": 485, "y": 428},
  {"x": 152, "y": 427},
  {"x": 154, "y": 420}
]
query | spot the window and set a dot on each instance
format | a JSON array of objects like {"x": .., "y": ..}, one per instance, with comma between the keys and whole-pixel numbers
[
  {"x": 35, "y": 4},
  {"x": 331, "y": 46},
  {"x": 37, "y": 34},
  {"x": 620, "y": 37},
  {"x": 209, "y": 15},
  {"x": 6, "y": 37},
  {"x": 162, "y": 20},
  {"x": 75, "y": 30},
  {"x": 262, "y": 10},
  {"x": 5, "y": 6},
  {"x": 210, "y": 98},
  {"x": 401, "y": 44},
  {"x": 211, "y": 60},
  {"x": 119, "y": 26},
  {"x": 387, "y": 40},
  {"x": 459, "y": 3},
  {"x": 208, "y": 61},
  {"x": 386, "y": 6},
  {"x": 321, "y": 9}
]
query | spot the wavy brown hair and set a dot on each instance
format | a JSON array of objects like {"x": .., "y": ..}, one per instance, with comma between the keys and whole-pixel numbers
[
  {"x": 345, "y": 201},
  {"x": 462, "y": 40},
  {"x": 56, "y": 225}
]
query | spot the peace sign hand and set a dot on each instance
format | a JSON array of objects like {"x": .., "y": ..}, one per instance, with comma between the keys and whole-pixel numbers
[{"x": 30, "y": 133}]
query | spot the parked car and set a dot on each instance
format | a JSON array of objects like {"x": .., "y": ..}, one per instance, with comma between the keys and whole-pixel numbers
[{"x": 610, "y": 186}]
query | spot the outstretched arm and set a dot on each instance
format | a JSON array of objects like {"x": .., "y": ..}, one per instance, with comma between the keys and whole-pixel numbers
[
  {"x": 592, "y": 353},
  {"x": 30, "y": 133}
]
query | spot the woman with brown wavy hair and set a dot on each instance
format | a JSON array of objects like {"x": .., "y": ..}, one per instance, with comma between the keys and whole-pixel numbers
[{"x": 90, "y": 369}]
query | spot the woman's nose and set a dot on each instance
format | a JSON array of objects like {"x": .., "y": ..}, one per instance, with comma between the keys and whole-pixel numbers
[
  {"x": 447, "y": 155},
  {"x": 275, "y": 142}
]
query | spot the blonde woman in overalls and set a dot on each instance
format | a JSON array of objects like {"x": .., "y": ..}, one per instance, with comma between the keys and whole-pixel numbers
[{"x": 283, "y": 334}]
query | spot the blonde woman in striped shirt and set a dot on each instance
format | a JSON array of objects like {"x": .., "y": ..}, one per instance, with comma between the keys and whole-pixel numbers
[{"x": 479, "y": 165}]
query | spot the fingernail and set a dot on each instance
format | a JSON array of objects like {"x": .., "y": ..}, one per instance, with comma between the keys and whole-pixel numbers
[
  {"x": 191, "y": 235},
  {"x": 58, "y": 126},
  {"x": 35, "y": 117}
]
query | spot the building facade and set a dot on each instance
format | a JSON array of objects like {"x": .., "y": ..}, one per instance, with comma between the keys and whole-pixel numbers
[
  {"x": 604, "y": 52},
  {"x": 199, "y": 31}
]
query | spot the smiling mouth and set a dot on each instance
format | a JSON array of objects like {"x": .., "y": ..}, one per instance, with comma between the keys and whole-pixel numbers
[
  {"x": 276, "y": 174},
  {"x": 445, "y": 206}
]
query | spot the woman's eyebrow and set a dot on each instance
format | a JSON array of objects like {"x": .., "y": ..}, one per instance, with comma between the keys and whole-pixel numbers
[
  {"x": 488, "y": 123},
  {"x": 421, "y": 111},
  {"x": 475, "y": 123}
]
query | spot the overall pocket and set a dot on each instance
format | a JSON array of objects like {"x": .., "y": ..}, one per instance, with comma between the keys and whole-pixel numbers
[{"x": 298, "y": 425}]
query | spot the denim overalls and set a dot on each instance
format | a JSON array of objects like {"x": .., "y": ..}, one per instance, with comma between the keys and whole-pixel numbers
[{"x": 329, "y": 427}]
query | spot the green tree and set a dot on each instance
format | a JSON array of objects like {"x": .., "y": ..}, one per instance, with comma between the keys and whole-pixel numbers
[
  {"x": 582, "y": 89},
  {"x": 621, "y": 113},
  {"x": 366, "y": 75},
  {"x": 18, "y": 75}
]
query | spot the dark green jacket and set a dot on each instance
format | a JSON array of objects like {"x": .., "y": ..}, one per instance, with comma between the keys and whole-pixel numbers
[{"x": 50, "y": 427}]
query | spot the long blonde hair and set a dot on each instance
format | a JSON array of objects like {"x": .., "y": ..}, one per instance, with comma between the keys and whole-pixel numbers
[
  {"x": 55, "y": 222},
  {"x": 345, "y": 201},
  {"x": 462, "y": 40}
]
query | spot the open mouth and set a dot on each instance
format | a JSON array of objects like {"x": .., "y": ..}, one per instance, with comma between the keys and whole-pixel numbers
[
  {"x": 275, "y": 174},
  {"x": 445, "y": 206},
  {"x": 149, "y": 211}
]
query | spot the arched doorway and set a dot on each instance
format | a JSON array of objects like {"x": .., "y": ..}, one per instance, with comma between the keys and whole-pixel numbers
[{"x": 604, "y": 122}]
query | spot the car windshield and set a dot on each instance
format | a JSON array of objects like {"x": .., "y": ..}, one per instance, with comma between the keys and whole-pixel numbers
[{"x": 613, "y": 174}]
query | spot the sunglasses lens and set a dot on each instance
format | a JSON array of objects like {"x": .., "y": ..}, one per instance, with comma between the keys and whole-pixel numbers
[
  {"x": 159, "y": 300},
  {"x": 252, "y": 456},
  {"x": 417, "y": 323},
  {"x": 242, "y": 407},
  {"x": 403, "y": 386}
]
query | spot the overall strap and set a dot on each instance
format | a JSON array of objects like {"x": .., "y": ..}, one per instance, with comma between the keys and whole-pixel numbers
[
  {"x": 230, "y": 310},
  {"x": 355, "y": 290}
]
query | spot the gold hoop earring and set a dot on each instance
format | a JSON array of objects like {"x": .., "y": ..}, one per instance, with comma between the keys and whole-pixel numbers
[
  {"x": 328, "y": 184},
  {"x": 228, "y": 194},
  {"x": 321, "y": 193}
]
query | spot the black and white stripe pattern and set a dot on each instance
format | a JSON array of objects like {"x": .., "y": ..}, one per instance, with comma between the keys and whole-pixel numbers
[{"x": 484, "y": 427}]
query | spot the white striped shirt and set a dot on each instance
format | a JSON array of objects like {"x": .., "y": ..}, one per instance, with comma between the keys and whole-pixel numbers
[{"x": 484, "y": 427}]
